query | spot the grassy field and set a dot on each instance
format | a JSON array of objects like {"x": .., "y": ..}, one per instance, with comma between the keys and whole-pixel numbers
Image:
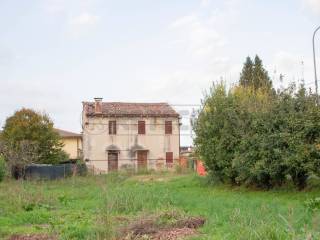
[{"x": 92, "y": 207}]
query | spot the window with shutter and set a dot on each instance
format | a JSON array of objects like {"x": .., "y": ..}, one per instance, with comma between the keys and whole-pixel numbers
[
  {"x": 112, "y": 127},
  {"x": 168, "y": 127},
  {"x": 141, "y": 127},
  {"x": 169, "y": 158}
]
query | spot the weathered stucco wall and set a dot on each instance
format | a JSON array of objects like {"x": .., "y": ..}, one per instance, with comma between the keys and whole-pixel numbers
[{"x": 96, "y": 139}]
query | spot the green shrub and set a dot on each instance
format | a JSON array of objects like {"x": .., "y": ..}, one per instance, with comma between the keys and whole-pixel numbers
[
  {"x": 2, "y": 168},
  {"x": 259, "y": 138},
  {"x": 313, "y": 204},
  {"x": 252, "y": 135}
]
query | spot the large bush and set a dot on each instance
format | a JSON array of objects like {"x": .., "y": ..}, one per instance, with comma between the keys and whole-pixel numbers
[
  {"x": 255, "y": 136},
  {"x": 258, "y": 137}
]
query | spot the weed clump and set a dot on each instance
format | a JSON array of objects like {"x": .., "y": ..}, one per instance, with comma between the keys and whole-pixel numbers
[{"x": 313, "y": 204}]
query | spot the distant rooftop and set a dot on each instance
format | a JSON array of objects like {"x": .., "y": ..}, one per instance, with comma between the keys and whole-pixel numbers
[{"x": 66, "y": 134}]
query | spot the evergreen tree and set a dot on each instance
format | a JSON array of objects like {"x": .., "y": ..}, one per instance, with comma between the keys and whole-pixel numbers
[
  {"x": 261, "y": 78},
  {"x": 246, "y": 75},
  {"x": 254, "y": 75}
]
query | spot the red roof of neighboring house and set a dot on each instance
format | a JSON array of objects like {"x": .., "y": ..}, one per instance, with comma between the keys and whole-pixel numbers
[
  {"x": 66, "y": 134},
  {"x": 122, "y": 109}
]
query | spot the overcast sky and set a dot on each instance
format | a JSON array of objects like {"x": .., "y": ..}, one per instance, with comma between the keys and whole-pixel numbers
[{"x": 54, "y": 54}]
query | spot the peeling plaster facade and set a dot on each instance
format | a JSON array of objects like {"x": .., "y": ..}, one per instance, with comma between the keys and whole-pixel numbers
[{"x": 97, "y": 142}]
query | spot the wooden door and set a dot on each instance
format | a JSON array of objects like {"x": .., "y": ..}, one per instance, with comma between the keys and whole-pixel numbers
[
  {"x": 142, "y": 160},
  {"x": 112, "y": 161}
]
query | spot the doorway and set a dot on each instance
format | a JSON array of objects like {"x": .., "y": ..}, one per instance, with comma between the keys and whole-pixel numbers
[
  {"x": 142, "y": 160},
  {"x": 112, "y": 161}
]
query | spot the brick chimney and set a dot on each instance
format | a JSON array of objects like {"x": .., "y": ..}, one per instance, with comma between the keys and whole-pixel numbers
[{"x": 97, "y": 105}]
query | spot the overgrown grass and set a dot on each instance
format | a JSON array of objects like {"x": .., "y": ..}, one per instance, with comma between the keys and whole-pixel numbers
[{"x": 94, "y": 207}]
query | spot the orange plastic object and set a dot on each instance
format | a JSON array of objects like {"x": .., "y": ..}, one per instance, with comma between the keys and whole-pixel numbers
[{"x": 201, "y": 170}]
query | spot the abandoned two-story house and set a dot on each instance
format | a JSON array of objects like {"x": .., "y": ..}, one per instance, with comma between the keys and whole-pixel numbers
[{"x": 138, "y": 136}]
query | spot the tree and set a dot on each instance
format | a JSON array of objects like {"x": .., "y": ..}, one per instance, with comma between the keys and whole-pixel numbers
[
  {"x": 19, "y": 156},
  {"x": 217, "y": 133},
  {"x": 29, "y": 136},
  {"x": 250, "y": 135},
  {"x": 304, "y": 126},
  {"x": 254, "y": 75},
  {"x": 261, "y": 78},
  {"x": 246, "y": 76}
]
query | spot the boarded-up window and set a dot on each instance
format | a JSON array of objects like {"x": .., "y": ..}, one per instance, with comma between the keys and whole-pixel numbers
[
  {"x": 141, "y": 127},
  {"x": 169, "y": 157},
  {"x": 112, "y": 127},
  {"x": 168, "y": 127}
]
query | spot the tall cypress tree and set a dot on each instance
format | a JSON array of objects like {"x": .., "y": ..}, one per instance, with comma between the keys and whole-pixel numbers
[
  {"x": 247, "y": 73},
  {"x": 261, "y": 77},
  {"x": 254, "y": 75}
]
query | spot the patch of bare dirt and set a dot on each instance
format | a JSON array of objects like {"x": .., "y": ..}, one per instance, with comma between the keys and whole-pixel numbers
[
  {"x": 32, "y": 237},
  {"x": 168, "y": 226},
  {"x": 191, "y": 222},
  {"x": 155, "y": 178},
  {"x": 174, "y": 234}
]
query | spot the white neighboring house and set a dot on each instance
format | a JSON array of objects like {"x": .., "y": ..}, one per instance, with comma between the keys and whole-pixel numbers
[{"x": 120, "y": 135}]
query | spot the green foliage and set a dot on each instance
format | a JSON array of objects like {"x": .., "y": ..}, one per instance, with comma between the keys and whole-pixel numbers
[
  {"x": 31, "y": 134},
  {"x": 254, "y": 75},
  {"x": 255, "y": 137},
  {"x": 2, "y": 168},
  {"x": 246, "y": 76},
  {"x": 216, "y": 122},
  {"x": 63, "y": 199},
  {"x": 29, "y": 207},
  {"x": 313, "y": 204}
]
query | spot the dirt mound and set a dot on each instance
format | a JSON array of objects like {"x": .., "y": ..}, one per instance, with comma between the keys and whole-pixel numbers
[
  {"x": 141, "y": 227},
  {"x": 167, "y": 226},
  {"x": 174, "y": 234},
  {"x": 32, "y": 237},
  {"x": 191, "y": 222}
]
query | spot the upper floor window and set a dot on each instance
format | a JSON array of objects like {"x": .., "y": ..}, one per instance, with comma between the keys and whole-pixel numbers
[
  {"x": 168, "y": 127},
  {"x": 141, "y": 127},
  {"x": 112, "y": 127}
]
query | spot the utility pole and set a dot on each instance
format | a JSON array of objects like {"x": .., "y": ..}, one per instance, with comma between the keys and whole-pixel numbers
[{"x": 315, "y": 62}]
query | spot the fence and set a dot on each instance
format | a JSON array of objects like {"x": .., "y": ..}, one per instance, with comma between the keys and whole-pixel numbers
[{"x": 50, "y": 172}]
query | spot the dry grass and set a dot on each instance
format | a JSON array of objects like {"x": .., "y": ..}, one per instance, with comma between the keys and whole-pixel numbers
[
  {"x": 32, "y": 237},
  {"x": 169, "y": 225}
]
